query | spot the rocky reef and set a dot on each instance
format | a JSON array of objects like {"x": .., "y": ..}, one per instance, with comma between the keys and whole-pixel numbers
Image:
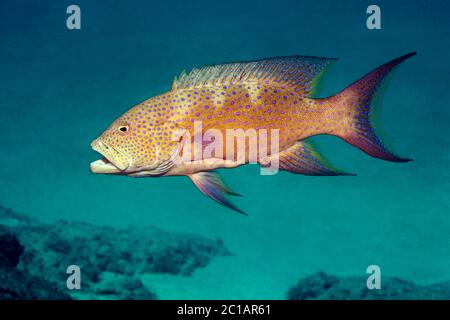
[
  {"x": 15, "y": 283},
  {"x": 34, "y": 258},
  {"x": 321, "y": 286}
]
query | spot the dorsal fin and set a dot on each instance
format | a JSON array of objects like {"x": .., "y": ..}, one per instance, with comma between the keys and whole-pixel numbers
[{"x": 301, "y": 72}]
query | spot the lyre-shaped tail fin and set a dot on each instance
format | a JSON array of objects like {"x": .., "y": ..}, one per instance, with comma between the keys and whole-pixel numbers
[{"x": 358, "y": 103}]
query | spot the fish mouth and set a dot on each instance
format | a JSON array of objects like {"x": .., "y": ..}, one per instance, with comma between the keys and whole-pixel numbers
[
  {"x": 113, "y": 161},
  {"x": 104, "y": 166}
]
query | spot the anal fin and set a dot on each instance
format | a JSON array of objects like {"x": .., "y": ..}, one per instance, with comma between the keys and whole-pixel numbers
[
  {"x": 301, "y": 158},
  {"x": 211, "y": 185}
]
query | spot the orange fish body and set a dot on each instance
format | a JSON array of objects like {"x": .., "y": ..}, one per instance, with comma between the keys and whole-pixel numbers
[
  {"x": 259, "y": 96},
  {"x": 254, "y": 106}
]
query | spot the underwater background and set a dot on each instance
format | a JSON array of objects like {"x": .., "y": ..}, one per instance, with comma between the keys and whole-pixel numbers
[{"x": 60, "y": 88}]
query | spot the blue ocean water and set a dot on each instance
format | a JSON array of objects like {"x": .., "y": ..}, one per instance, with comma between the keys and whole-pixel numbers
[{"x": 60, "y": 89}]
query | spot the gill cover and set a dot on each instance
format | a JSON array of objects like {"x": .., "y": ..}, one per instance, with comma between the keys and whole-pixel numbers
[{"x": 165, "y": 146}]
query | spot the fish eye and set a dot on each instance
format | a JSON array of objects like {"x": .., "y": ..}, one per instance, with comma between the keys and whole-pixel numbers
[{"x": 123, "y": 128}]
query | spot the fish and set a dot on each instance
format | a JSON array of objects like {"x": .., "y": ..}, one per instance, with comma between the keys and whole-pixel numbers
[{"x": 277, "y": 95}]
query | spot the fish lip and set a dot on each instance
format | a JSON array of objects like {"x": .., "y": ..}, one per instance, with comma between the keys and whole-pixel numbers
[{"x": 106, "y": 164}]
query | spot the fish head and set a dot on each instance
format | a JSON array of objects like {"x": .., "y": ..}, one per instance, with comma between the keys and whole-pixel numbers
[{"x": 134, "y": 146}]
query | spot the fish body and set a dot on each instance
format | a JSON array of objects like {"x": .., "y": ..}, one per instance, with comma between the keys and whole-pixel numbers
[{"x": 265, "y": 95}]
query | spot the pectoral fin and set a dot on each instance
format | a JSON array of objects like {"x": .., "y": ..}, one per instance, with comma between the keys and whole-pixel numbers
[
  {"x": 210, "y": 184},
  {"x": 301, "y": 158}
]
